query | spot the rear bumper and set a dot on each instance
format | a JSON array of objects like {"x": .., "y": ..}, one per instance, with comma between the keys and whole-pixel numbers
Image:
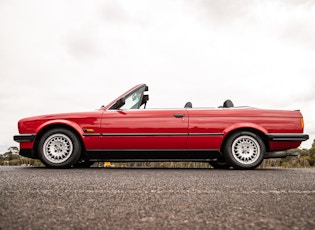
[
  {"x": 276, "y": 154},
  {"x": 287, "y": 137},
  {"x": 24, "y": 137}
]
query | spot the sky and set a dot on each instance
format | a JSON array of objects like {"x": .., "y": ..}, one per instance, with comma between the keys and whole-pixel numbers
[{"x": 67, "y": 56}]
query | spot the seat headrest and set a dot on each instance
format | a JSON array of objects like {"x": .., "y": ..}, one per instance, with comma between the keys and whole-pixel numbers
[
  {"x": 228, "y": 103},
  {"x": 188, "y": 105}
]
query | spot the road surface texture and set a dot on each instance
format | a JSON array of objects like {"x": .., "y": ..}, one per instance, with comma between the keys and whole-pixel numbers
[{"x": 107, "y": 198}]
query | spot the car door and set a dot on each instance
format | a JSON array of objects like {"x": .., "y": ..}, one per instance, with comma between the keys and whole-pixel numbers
[
  {"x": 205, "y": 129},
  {"x": 143, "y": 129}
]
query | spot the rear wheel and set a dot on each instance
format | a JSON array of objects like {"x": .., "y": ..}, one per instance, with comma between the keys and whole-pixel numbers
[
  {"x": 244, "y": 150},
  {"x": 59, "y": 148}
]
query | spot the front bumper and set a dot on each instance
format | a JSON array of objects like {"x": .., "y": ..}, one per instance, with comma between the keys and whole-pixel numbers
[
  {"x": 26, "y": 144},
  {"x": 28, "y": 153},
  {"x": 24, "y": 137}
]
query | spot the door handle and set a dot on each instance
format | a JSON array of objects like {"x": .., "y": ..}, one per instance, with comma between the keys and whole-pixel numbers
[{"x": 178, "y": 115}]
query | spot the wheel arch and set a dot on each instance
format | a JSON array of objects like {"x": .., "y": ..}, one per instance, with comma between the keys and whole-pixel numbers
[
  {"x": 255, "y": 130},
  {"x": 51, "y": 126}
]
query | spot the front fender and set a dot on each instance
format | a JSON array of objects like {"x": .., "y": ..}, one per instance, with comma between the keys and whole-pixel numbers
[{"x": 68, "y": 123}]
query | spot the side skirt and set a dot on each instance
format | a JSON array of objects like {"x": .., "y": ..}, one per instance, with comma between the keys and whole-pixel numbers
[{"x": 151, "y": 155}]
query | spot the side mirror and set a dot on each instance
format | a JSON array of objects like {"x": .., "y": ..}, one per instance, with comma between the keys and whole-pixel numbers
[{"x": 118, "y": 103}]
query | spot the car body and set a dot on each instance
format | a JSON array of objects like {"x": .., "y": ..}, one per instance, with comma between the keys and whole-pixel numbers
[{"x": 125, "y": 130}]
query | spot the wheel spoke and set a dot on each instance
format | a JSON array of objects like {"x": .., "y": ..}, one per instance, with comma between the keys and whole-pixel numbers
[
  {"x": 245, "y": 149},
  {"x": 57, "y": 148}
]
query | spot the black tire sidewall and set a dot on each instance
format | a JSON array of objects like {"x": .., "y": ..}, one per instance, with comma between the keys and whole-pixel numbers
[
  {"x": 230, "y": 158},
  {"x": 75, "y": 155}
]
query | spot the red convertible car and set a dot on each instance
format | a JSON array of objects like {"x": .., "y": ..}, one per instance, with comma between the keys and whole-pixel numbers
[{"x": 124, "y": 130}]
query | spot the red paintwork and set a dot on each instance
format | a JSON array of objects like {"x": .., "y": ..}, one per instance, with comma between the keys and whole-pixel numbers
[
  {"x": 77, "y": 121},
  {"x": 151, "y": 122},
  {"x": 147, "y": 129}
]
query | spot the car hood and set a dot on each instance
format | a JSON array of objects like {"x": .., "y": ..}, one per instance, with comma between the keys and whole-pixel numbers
[{"x": 61, "y": 116}]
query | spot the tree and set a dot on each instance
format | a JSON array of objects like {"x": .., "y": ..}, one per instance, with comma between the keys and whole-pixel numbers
[
  {"x": 311, "y": 154},
  {"x": 10, "y": 154}
]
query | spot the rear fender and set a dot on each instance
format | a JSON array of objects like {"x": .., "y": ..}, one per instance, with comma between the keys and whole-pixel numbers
[{"x": 246, "y": 125}]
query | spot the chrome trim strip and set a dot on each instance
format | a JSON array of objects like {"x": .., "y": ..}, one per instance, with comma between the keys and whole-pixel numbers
[
  {"x": 91, "y": 134},
  {"x": 206, "y": 134},
  {"x": 160, "y": 134}
]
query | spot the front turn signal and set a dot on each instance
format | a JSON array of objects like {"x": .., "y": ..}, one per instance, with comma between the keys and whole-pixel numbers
[{"x": 302, "y": 123}]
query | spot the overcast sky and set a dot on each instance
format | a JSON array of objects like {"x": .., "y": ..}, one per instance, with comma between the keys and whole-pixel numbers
[{"x": 65, "y": 56}]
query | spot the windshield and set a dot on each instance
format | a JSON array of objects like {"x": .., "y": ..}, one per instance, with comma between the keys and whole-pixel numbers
[{"x": 132, "y": 101}]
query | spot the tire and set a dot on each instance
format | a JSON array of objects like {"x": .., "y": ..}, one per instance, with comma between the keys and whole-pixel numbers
[
  {"x": 59, "y": 148},
  {"x": 244, "y": 150},
  {"x": 219, "y": 164}
]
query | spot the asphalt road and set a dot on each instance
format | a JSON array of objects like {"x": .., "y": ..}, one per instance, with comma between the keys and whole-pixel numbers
[{"x": 104, "y": 198}]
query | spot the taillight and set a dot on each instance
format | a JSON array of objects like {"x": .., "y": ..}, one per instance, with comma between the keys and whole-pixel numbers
[{"x": 302, "y": 123}]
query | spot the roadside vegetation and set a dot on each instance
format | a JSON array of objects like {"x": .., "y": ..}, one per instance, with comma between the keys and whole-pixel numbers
[{"x": 302, "y": 158}]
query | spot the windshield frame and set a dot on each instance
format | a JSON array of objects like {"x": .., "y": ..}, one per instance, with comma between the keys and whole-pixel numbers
[
  {"x": 142, "y": 87},
  {"x": 133, "y": 100}
]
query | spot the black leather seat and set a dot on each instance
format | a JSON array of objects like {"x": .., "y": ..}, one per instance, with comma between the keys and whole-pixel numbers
[
  {"x": 188, "y": 105},
  {"x": 228, "y": 104}
]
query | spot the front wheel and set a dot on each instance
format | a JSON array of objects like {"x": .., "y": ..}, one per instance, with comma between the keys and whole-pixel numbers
[
  {"x": 244, "y": 150},
  {"x": 59, "y": 148}
]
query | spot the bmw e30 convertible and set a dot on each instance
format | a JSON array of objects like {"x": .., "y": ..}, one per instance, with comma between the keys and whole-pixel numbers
[{"x": 125, "y": 130}]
